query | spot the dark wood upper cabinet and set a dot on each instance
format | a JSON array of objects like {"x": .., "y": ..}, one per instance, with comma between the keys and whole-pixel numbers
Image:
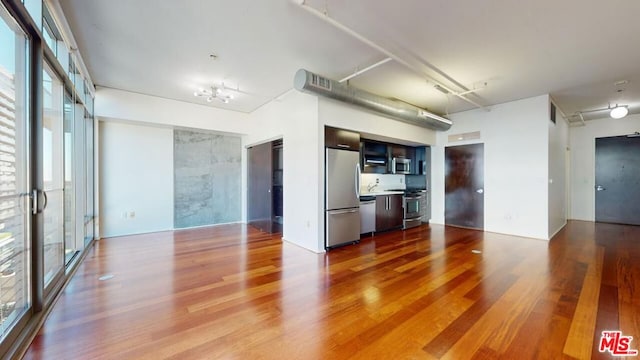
[
  {"x": 398, "y": 151},
  {"x": 341, "y": 139},
  {"x": 375, "y": 157}
]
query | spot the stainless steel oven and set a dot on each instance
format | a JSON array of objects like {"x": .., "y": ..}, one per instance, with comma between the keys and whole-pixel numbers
[
  {"x": 412, "y": 205},
  {"x": 414, "y": 209}
]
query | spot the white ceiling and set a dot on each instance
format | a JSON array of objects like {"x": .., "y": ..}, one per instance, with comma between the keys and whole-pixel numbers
[{"x": 574, "y": 50}]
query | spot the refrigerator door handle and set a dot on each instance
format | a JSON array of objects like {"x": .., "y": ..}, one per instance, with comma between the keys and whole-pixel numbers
[
  {"x": 357, "y": 180},
  {"x": 339, "y": 212}
]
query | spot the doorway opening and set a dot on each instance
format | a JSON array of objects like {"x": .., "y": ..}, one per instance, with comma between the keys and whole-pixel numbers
[{"x": 265, "y": 191}]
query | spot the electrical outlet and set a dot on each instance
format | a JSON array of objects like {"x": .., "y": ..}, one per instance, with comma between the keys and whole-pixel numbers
[
  {"x": 132, "y": 214},
  {"x": 377, "y": 181}
]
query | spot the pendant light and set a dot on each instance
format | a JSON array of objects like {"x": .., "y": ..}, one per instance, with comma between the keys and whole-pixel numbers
[{"x": 218, "y": 93}]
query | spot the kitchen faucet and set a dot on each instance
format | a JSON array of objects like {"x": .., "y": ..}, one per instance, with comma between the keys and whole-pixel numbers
[{"x": 371, "y": 187}]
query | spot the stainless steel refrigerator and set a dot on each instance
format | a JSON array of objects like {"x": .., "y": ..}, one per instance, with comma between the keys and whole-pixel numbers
[{"x": 342, "y": 203}]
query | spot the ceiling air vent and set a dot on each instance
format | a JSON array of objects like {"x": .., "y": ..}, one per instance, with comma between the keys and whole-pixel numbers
[
  {"x": 309, "y": 82},
  {"x": 320, "y": 82},
  {"x": 464, "y": 136}
]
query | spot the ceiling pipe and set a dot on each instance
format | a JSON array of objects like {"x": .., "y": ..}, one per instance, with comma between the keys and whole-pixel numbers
[
  {"x": 309, "y": 82},
  {"x": 365, "y": 69},
  {"x": 582, "y": 119},
  {"x": 471, "y": 91},
  {"x": 344, "y": 28}
]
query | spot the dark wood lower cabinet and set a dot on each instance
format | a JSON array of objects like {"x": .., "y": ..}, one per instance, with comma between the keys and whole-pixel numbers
[{"x": 389, "y": 212}]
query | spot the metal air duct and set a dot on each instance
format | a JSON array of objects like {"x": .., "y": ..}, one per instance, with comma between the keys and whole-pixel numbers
[{"x": 309, "y": 82}]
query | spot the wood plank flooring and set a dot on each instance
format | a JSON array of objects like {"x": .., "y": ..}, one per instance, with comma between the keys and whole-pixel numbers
[{"x": 231, "y": 292}]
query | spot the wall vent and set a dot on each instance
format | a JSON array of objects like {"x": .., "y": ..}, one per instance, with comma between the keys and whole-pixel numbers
[
  {"x": 320, "y": 82},
  {"x": 464, "y": 136}
]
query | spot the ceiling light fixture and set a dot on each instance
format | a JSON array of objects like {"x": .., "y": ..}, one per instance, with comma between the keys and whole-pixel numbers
[
  {"x": 214, "y": 92},
  {"x": 618, "y": 112}
]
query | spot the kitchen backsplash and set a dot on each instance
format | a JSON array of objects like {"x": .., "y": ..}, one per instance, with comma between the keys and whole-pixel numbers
[{"x": 385, "y": 182}]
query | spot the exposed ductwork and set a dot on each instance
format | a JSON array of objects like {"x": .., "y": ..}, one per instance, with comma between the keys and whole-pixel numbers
[{"x": 309, "y": 82}]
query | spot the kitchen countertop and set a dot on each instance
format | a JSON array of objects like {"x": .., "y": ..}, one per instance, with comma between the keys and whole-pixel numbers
[{"x": 376, "y": 193}]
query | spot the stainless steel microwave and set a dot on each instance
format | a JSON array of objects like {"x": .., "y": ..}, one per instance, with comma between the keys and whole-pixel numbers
[{"x": 401, "y": 165}]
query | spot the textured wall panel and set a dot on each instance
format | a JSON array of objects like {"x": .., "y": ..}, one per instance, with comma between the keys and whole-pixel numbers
[{"x": 207, "y": 170}]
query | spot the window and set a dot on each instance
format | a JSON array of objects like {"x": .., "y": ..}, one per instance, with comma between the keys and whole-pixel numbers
[
  {"x": 14, "y": 205},
  {"x": 70, "y": 247},
  {"x": 34, "y": 7},
  {"x": 49, "y": 37},
  {"x": 52, "y": 166},
  {"x": 65, "y": 162},
  {"x": 89, "y": 182}
]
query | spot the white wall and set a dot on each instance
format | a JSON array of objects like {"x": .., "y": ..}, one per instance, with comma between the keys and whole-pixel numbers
[
  {"x": 583, "y": 147},
  {"x": 515, "y": 137},
  {"x": 124, "y": 105},
  {"x": 341, "y": 115},
  {"x": 136, "y": 175},
  {"x": 134, "y": 108},
  {"x": 558, "y": 167},
  {"x": 294, "y": 118}
]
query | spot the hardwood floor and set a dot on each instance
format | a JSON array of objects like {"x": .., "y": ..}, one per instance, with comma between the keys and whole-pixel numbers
[{"x": 231, "y": 292}]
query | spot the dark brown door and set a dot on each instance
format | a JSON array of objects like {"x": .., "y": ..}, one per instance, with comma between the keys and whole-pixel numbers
[
  {"x": 259, "y": 185},
  {"x": 464, "y": 186},
  {"x": 618, "y": 180}
]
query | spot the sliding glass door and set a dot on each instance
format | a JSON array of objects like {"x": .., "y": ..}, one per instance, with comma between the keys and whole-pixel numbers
[
  {"x": 53, "y": 175},
  {"x": 15, "y": 277},
  {"x": 88, "y": 179},
  {"x": 46, "y": 167},
  {"x": 70, "y": 248}
]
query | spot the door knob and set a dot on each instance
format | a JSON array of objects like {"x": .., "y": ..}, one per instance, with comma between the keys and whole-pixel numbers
[
  {"x": 600, "y": 188},
  {"x": 480, "y": 191}
]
